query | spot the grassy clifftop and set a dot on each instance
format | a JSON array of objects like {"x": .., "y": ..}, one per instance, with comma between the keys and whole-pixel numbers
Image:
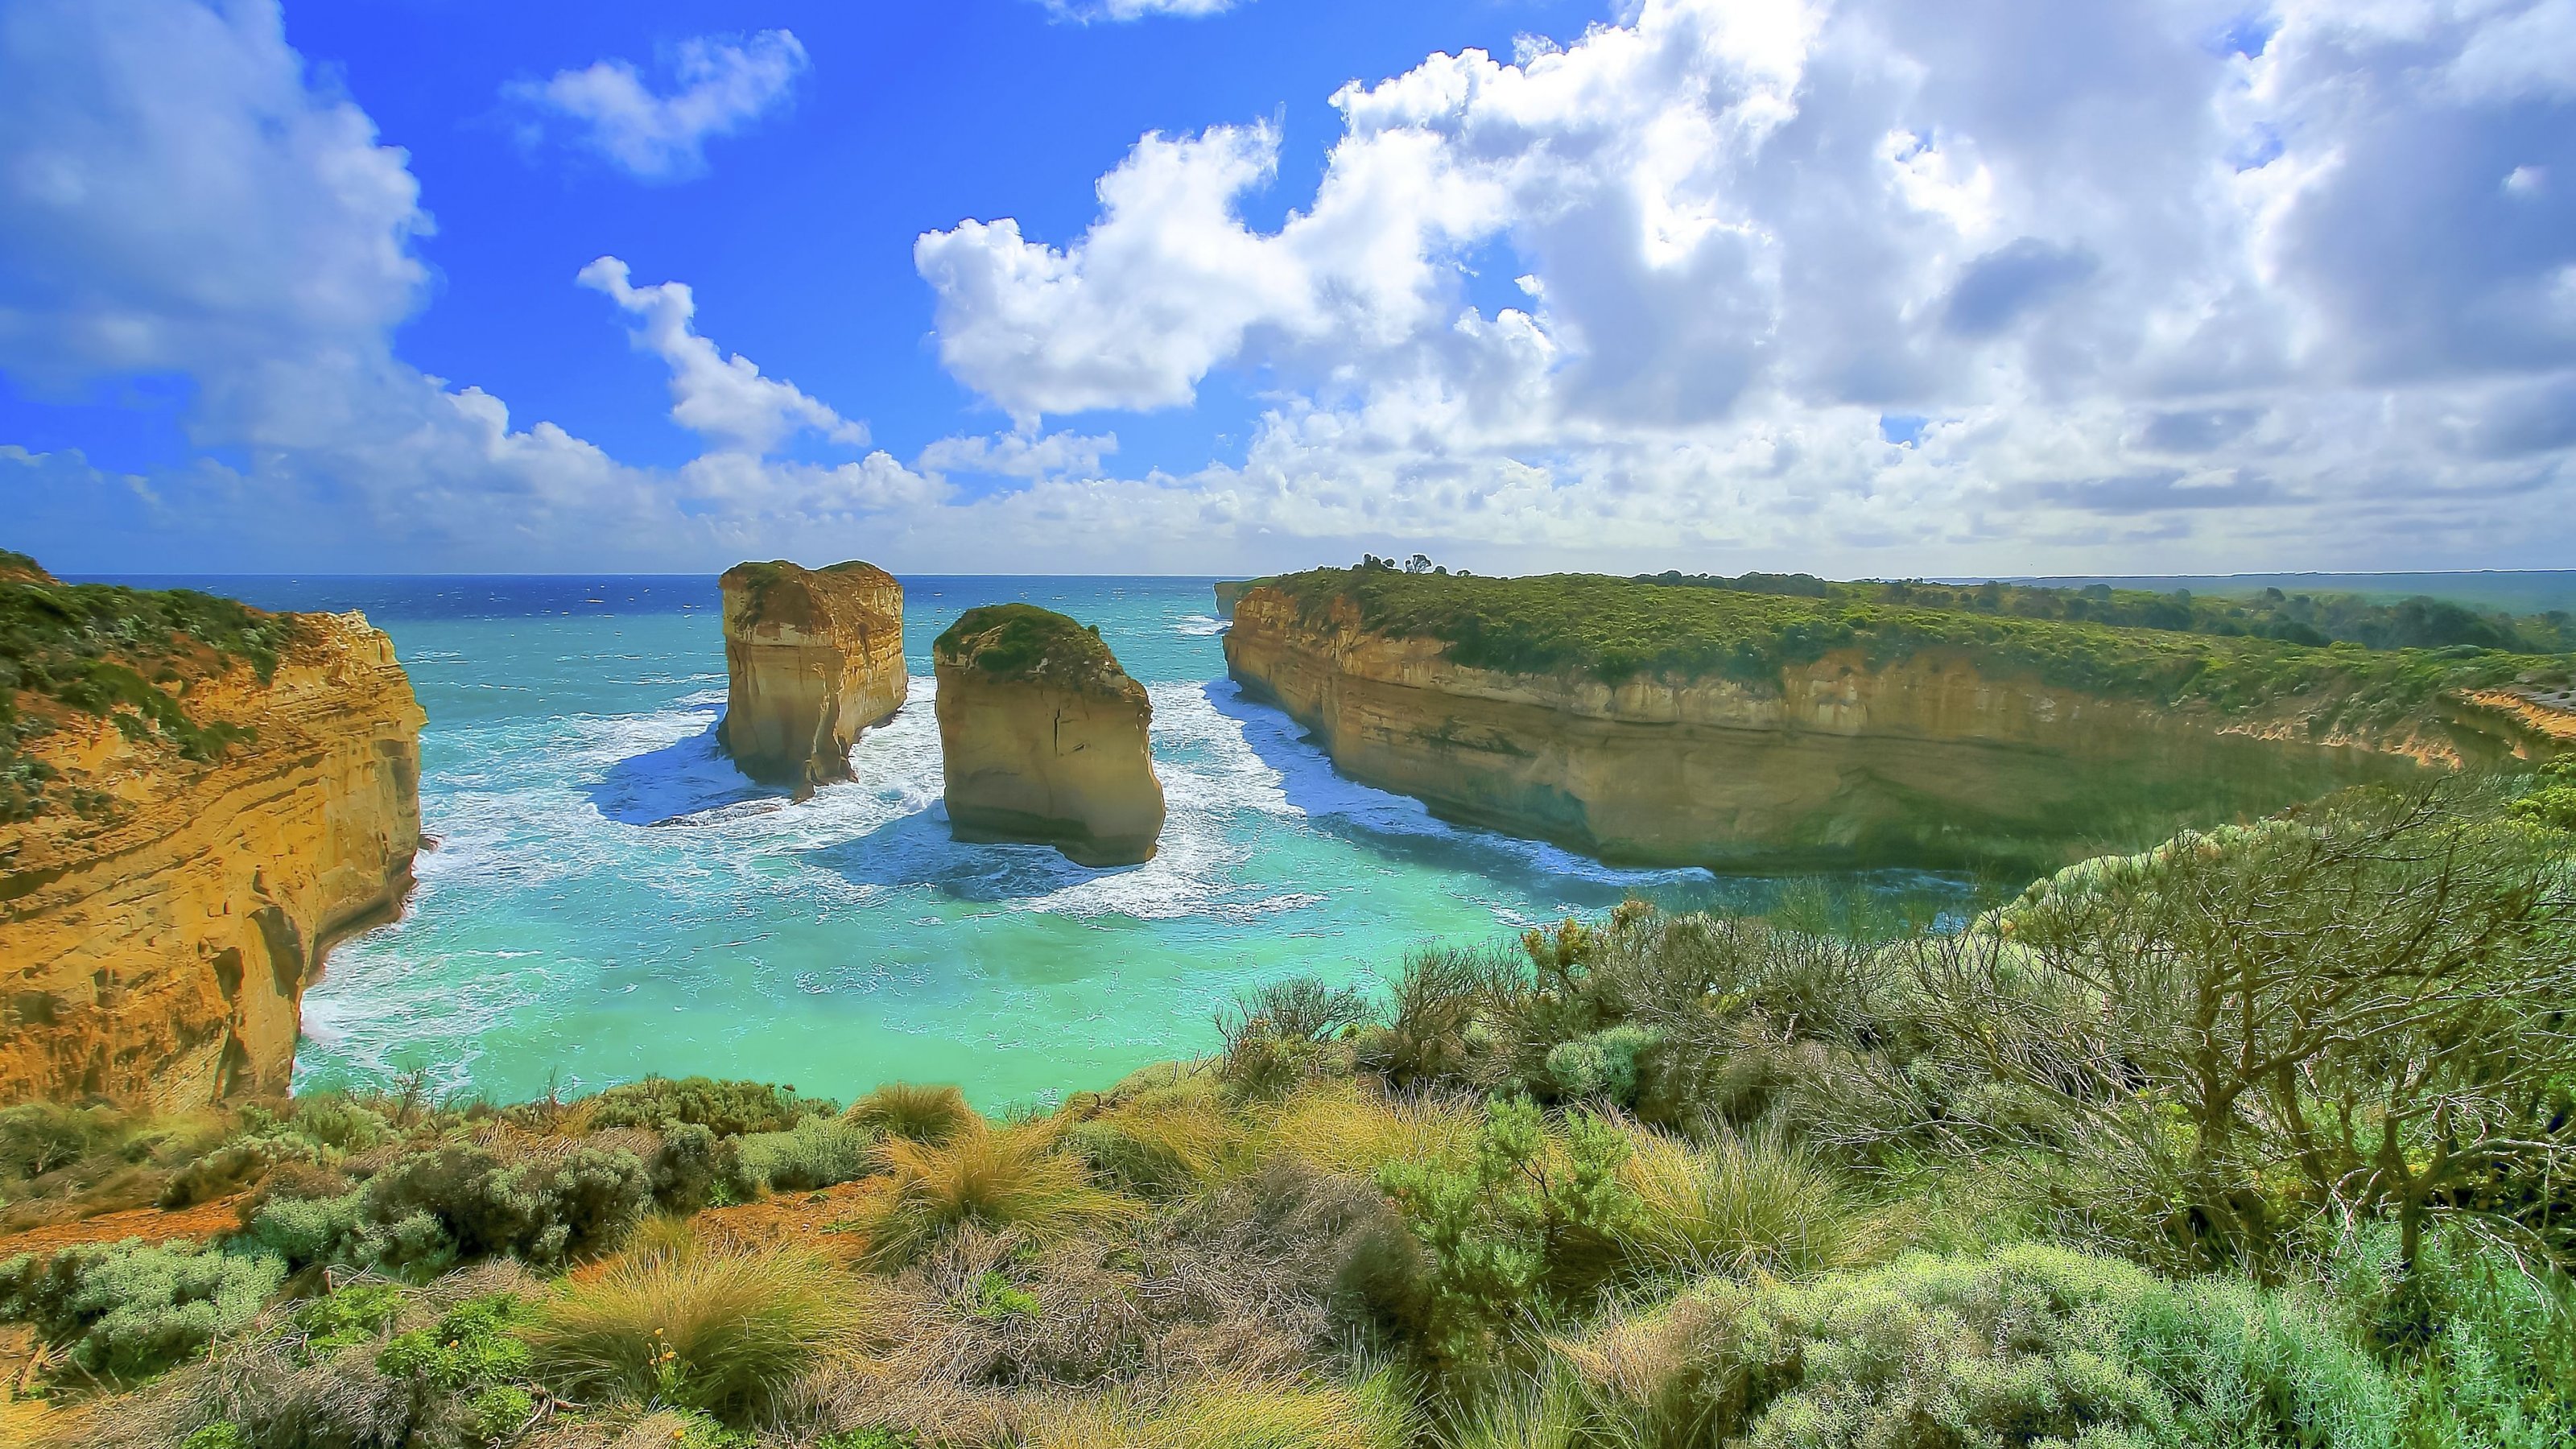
[
  {"x": 1617, "y": 629},
  {"x": 125, "y": 654},
  {"x": 1025, "y": 642}
]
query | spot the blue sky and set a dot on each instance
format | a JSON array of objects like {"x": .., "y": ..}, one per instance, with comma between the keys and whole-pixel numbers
[{"x": 1866, "y": 287}]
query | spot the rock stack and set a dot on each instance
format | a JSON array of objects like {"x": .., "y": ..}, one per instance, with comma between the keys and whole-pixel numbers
[
  {"x": 1043, "y": 737},
  {"x": 812, "y": 657}
]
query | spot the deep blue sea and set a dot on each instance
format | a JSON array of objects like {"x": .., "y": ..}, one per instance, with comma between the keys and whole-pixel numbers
[{"x": 609, "y": 899}]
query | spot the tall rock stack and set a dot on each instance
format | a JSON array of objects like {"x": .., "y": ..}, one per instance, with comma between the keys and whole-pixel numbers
[
  {"x": 812, "y": 657},
  {"x": 1043, "y": 738}
]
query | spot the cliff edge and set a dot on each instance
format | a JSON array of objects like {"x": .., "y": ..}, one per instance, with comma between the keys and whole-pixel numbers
[
  {"x": 1653, "y": 725},
  {"x": 1043, "y": 738},
  {"x": 812, "y": 658},
  {"x": 196, "y": 800}
]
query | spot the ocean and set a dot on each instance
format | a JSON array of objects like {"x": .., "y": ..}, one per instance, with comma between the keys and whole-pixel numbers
[{"x": 609, "y": 899}]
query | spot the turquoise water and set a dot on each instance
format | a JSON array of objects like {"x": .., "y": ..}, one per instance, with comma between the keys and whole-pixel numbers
[{"x": 609, "y": 898}]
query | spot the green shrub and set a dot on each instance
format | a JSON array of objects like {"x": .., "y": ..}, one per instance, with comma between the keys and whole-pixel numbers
[
  {"x": 473, "y": 1345},
  {"x": 2030, "y": 1345},
  {"x": 37, "y": 1137},
  {"x": 1531, "y": 1210},
  {"x": 431, "y": 1209},
  {"x": 221, "y": 1434},
  {"x": 694, "y": 1167},
  {"x": 725, "y": 1333},
  {"x": 915, "y": 1113},
  {"x": 817, "y": 1152},
  {"x": 304, "y": 1231},
  {"x": 127, "y": 1310},
  {"x": 351, "y": 1315},
  {"x": 1601, "y": 1066},
  {"x": 729, "y": 1109}
]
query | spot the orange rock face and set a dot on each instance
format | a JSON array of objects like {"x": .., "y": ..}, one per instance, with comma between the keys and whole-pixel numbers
[
  {"x": 812, "y": 657},
  {"x": 156, "y": 952},
  {"x": 1044, "y": 739},
  {"x": 1840, "y": 764}
]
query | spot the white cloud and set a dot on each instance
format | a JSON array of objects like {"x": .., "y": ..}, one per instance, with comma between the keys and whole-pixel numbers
[
  {"x": 1018, "y": 455},
  {"x": 1086, "y": 11},
  {"x": 1746, "y": 231},
  {"x": 721, "y": 85},
  {"x": 719, "y": 397}
]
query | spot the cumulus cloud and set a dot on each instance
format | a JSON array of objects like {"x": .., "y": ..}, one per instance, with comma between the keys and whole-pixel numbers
[
  {"x": 720, "y": 397},
  {"x": 720, "y": 85},
  {"x": 2167, "y": 288}
]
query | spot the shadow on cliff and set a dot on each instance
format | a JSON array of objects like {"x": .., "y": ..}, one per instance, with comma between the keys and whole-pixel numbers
[
  {"x": 687, "y": 778},
  {"x": 1401, "y": 828},
  {"x": 917, "y": 851}
]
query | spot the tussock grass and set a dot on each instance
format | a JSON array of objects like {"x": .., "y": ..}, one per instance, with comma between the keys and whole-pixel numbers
[
  {"x": 1373, "y": 1413},
  {"x": 1007, "y": 1178},
  {"x": 918, "y": 1113},
  {"x": 1342, "y": 1126},
  {"x": 1543, "y": 1410},
  {"x": 1164, "y": 1144},
  {"x": 1741, "y": 1205},
  {"x": 723, "y": 1331}
]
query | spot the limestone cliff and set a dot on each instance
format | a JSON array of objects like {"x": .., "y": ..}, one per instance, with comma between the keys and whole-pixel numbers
[
  {"x": 1043, "y": 738},
  {"x": 1933, "y": 757},
  {"x": 188, "y": 845},
  {"x": 812, "y": 658}
]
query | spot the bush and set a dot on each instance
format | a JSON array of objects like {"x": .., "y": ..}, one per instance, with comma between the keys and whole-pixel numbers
[
  {"x": 1601, "y": 1066},
  {"x": 725, "y": 1333},
  {"x": 2028, "y": 1345},
  {"x": 817, "y": 1152},
  {"x": 728, "y": 1109},
  {"x": 37, "y": 1137},
  {"x": 429, "y": 1210},
  {"x": 129, "y": 1311},
  {"x": 476, "y": 1344},
  {"x": 915, "y": 1113},
  {"x": 1002, "y": 1178},
  {"x": 1434, "y": 1035},
  {"x": 1530, "y": 1211},
  {"x": 694, "y": 1168},
  {"x": 1279, "y": 1035}
]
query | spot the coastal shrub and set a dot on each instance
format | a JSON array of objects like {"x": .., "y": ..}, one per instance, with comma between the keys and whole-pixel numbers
[
  {"x": 219, "y": 1173},
  {"x": 352, "y": 1315},
  {"x": 817, "y": 1152},
  {"x": 1433, "y": 1034},
  {"x": 427, "y": 1211},
  {"x": 1007, "y": 1179},
  {"x": 1602, "y": 1065},
  {"x": 37, "y": 1137},
  {"x": 1531, "y": 1209},
  {"x": 693, "y": 1167},
  {"x": 2029, "y": 1345},
  {"x": 915, "y": 1113},
  {"x": 727, "y": 1108},
  {"x": 478, "y": 1343},
  {"x": 128, "y": 1310},
  {"x": 1740, "y": 1205},
  {"x": 722, "y": 1332},
  {"x": 1281, "y": 1033}
]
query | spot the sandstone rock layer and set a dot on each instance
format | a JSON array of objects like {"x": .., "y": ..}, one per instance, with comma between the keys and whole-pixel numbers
[
  {"x": 155, "y": 948},
  {"x": 1043, "y": 738},
  {"x": 812, "y": 658},
  {"x": 1922, "y": 762}
]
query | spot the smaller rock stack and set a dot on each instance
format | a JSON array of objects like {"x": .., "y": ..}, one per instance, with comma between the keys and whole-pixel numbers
[
  {"x": 1043, "y": 737},
  {"x": 812, "y": 657}
]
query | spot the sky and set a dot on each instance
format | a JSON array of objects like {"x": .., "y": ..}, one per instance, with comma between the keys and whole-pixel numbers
[{"x": 1859, "y": 287}]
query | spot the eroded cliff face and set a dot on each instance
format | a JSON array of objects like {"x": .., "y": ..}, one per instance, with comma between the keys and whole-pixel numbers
[
  {"x": 812, "y": 658},
  {"x": 1922, "y": 762},
  {"x": 155, "y": 946},
  {"x": 1050, "y": 749}
]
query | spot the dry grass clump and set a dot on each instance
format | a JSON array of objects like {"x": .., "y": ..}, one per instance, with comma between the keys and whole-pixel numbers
[
  {"x": 998, "y": 1177},
  {"x": 1372, "y": 1413},
  {"x": 724, "y": 1331},
  {"x": 917, "y": 1113},
  {"x": 1346, "y": 1126},
  {"x": 1167, "y": 1141},
  {"x": 1742, "y": 1204}
]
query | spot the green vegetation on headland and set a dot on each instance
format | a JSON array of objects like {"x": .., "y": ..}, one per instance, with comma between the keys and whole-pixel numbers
[
  {"x": 124, "y": 654},
  {"x": 1617, "y": 629},
  {"x": 2415, "y": 622},
  {"x": 1023, "y": 641},
  {"x": 2262, "y": 1138},
  {"x": 759, "y": 582}
]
